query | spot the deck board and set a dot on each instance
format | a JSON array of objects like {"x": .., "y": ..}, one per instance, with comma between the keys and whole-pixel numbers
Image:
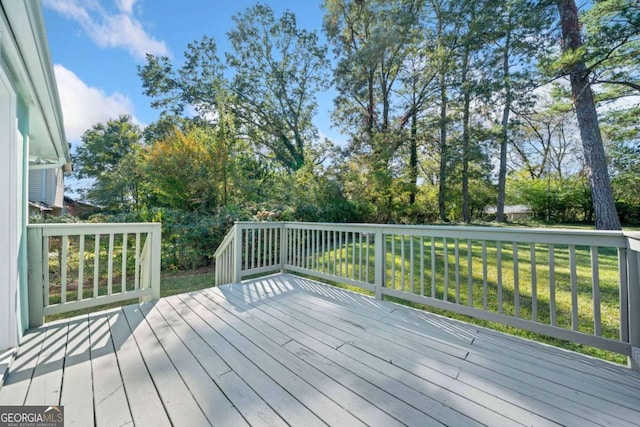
[
  {"x": 284, "y": 350},
  {"x": 144, "y": 402},
  {"x": 178, "y": 401},
  {"x": 77, "y": 389},
  {"x": 109, "y": 398}
]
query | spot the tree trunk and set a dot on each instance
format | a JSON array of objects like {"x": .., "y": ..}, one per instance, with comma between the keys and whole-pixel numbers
[
  {"x": 413, "y": 159},
  {"x": 465, "y": 138},
  {"x": 504, "y": 137},
  {"x": 595, "y": 159},
  {"x": 442, "y": 187}
]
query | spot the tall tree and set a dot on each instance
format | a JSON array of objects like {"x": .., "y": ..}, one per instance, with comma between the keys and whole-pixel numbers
[
  {"x": 519, "y": 36},
  {"x": 606, "y": 215},
  {"x": 279, "y": 68},
  {"x": 107, "y": 157},
  {"x": 276, "y": 70},
  {"x": 373, "y": 42}
]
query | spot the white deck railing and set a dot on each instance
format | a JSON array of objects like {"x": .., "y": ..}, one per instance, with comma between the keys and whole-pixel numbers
[
  {"x": 77, "y": 266},
  {"x": 575, "y": 285}
]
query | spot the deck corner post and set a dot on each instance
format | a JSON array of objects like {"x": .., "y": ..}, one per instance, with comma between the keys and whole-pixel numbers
[
  {"x": 36, "y": 259},
  {"x": 379, "y": 263},
  {"x": 633, "y": 292},
  {"x": 237, "y": 253},
  {"x": 156, "y": 260}
]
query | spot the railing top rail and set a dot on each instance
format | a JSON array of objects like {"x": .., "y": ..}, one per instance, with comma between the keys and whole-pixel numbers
[
  {"x": 53, "y": 229},
  {"x": 226, "y": 241},
  {"x": 525, "y": 235}
]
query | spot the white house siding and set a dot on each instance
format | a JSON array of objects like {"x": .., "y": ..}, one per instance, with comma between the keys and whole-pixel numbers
[
  {"x": 10, "y": 144},
  {"x": 31, "y": 137}
]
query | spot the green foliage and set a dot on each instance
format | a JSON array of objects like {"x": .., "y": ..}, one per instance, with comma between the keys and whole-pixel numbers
[
  {"x": 276, "y": 69},
  {"x": 108, "y": 156},
  {"x": 555, "y": 199}
]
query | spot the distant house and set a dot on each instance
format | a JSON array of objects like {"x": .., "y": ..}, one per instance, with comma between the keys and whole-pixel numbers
[
  {"x": 79, "y": 209},
  {"x": 512, "y": 212},
  {"x": 32, "y": 139}
]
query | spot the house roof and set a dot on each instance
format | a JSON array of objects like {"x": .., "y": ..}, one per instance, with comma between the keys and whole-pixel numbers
[{"x": 25, "y": 51}]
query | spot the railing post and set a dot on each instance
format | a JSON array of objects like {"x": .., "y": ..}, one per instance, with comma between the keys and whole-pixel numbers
[
  {"x": 36, "y": 260},
  {"x": 237, "y": 253},
  {"x": 379, "y": 264},
  {"x": 156, "y": 260},
  {"x": 633, "y": 292}
]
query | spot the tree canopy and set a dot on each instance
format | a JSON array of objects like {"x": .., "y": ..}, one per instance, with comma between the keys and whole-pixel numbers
[{"x": 447, "y": 108}]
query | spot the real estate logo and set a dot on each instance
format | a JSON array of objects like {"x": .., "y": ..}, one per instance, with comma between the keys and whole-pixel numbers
[{"x": 31, "y": 416}]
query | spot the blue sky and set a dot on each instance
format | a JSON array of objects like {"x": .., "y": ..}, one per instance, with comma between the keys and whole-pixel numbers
[{"x": 97, "y": 44}]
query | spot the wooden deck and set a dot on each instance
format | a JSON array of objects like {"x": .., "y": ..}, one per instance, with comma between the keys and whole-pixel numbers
[{"x": 283, "y": 350}]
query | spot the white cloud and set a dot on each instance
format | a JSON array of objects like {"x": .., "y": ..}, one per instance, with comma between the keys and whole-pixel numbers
[
  {"x": 126, "y": 6},
  {"x": 84, "y": 106},
  {"x": 111, "y": 30}
]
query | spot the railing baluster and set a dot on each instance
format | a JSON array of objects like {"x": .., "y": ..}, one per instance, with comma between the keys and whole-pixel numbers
[
  {"x": 136, "y": 274},
  {"x": 245, "y": 239},
  {"x": 124, "y": 262},
  {"x": 574, "y": 288},
  {"x": 595, "y": 282},
  {"x": 252, "y": 248},
  {"x": 534, "y": 283},
  {"x": 353, "y": 255},
  {"x": 433, "y": 267},
  {"x": 422, "y": 265},
  {"x": 314, "y": 263},
  {"x": 402, "y": 262},
  {"x": 259, "y": 247},
  {"x": 360, "y": 257},
  {"x": 63, "y": 268},
  {"x": 81, "y": 267},
  {"x": 110, "y": 265},
  {"x": 323, "y": 252},
  {"x": 367, "y": 262},
  {"x": 485, "y": 282},
  {"x": 456, "y": 250},
  {"x": 516, "y": 281},
  {"x": 304, "y": 246},
  {"x": 469, "y": 274},
  {"x": 96, "y": 265},
  {"x": 445, "y": 297},
  {"x": 340, "y": 273},
  {"x": 411, "y": 264},
  {"x": 499, "y": 273},
  {"x": 393, "y": 261},
  {"x": 552, "y": 286}
]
